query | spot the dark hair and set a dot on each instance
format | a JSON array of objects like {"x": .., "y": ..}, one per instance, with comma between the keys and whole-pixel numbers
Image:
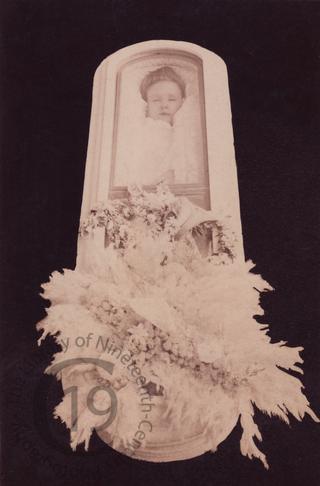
[{"x": 165, "y": 73}]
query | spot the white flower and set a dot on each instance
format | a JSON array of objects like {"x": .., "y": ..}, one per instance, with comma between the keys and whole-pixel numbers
[
  {"x": 138, "y": 331},
  {"x": 151, "y": 218}
]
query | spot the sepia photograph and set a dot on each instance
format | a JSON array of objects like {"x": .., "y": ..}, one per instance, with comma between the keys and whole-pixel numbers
[{"x": 159, "y": 247}]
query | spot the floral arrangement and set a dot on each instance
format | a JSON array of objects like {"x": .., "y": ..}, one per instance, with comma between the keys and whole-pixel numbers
[
  {"x": 160, "y": 212},
  {"x": 184, "y": 318}
]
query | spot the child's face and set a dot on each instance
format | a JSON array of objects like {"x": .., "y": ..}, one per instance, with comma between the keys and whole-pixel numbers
[{"x": 164, "y": 99}]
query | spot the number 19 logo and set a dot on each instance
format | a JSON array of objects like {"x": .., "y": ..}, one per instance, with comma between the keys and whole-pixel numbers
[{"x": 112, "y": 408}]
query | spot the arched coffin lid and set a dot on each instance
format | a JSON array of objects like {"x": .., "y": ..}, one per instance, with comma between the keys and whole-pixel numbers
[{"x": 215, "y": 184}]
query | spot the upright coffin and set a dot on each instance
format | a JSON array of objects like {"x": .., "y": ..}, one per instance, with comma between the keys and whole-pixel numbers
[{"x": 212, "y": 184}]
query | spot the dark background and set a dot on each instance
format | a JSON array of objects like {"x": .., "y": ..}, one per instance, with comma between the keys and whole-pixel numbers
[{"x": 49, "y": 52}]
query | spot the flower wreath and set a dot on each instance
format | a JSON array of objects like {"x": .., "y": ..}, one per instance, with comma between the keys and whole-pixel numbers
[{"x": 184, "y": 318}]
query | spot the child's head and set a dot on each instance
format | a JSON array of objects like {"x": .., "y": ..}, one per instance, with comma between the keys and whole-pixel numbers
[{"x": 164, "y": 91}]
